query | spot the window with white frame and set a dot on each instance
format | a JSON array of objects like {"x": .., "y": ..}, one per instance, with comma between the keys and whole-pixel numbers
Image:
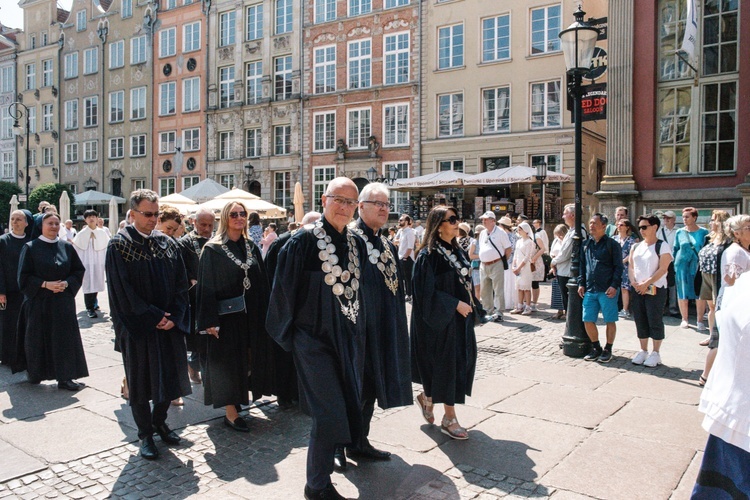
[
  {"x": 325, "y": 10},
  {"x": 358, "y": 128},
  {"x": 9, "y": 162},
  {"x": 283, "y": 16},
  {"x": 170, "y": 4},
  {"x": 360, "y": 63},
  {"x": 252, "y": 142},
  {"x": 139, "y": 184},
  {"x": 71, "y": 65},
  {"x": 545, "y": 105},
  {"x": 397, "y": 58},
  {"x": 227, "y": 28},
  {"x": 6, "y": 123},
  {"x": 32, "y": 41},
  {"x": 137, "y": 145},
  {"x": 166, "y": 186},
  {"x": 226, "y": 145},
  {"x": 282, "y": 188},
  {"x": 325, "y": 69},
  {"x": 496, "y": 38},
  {"x": 47, "y": 73},
  {"x": 167, "y": 98},
  {"x": 91, "y": 111},
  {"x": 448, "y": 165},
  {"x": 45, "y": 39},
  {"x": 226, "y": 86},
  {"x": 138, "y": 103},
  {"x": 191, "y": 139},
  {"x": 116, "y": 106},
  {"x": 399, "y": 200},
  {"x": 117, "y": 54},
  {"x": 71, "y": 153},
  {"x": 282, "y": 77},
  {"x": 126, "y": 8},
  {"x": 32, "y": 158},
  {"x": 138, "y": 46},
  {"x": 321, "y": 177},
  {"x": 451, "y": 46},
  {"x": 191, "y": 37},
  {"x": 359, "y": 7},
  {"x": 7, "y": 79},
  {"x": 254, "y": 22},
  {"x": 450, "y": 115},
  {"x": 30, "y": 76},
  {"x": 81, "y": 20},
  {"x": 168, "y": 42},
  {"x": 190, "y": 181},
  {"x": 496, "y": 110},
  {"x": 227, "y": 180},
  {"x": 48, "y": 156},
  {"x": 32, "y": 120},
  {"x": 46, "y": 117},
  {"x": 253, "y": 82},
  {"x": 545, "y": 28},
  {"x": 396, "y": 124},
  {"x": 551, "y": 159},
  {"x": 90, "y": 150},
  {"x": 90, "y": 61},
  {"x": 282, "y": 140},
  {"x": 390, "y": 4},
  {"x": 191, "y": 94},
  {"x": 116, "y": 148},
  {"x": 166, "y": 142},
  {"x": 73, "y": 188},
  {"x": 324, "y": 131}
]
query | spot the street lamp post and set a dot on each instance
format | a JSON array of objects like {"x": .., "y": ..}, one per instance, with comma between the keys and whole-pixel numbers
[
  {"x": 578, "y": 42},
  {"x": 390, "y": 176},
  {"x": 17, "y": 114},
  {"x": 249, "y": 170},
  {"x": 541, "y": 174}
]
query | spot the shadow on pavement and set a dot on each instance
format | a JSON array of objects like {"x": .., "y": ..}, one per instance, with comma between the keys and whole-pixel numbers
[
  {"x": 32, "y": 402},
  {"x": 165, "y": 477},
  {"x": 396, "y": 479}
]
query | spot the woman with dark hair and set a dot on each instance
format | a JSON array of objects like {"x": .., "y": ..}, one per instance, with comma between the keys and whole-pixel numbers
[
  {"x": 255, "y": 228},
  {"x": 444, "y": 347},
  {"x": 624, "y": 236},
  {"x": 232, "y": 301},
  {"x": 170, "y": 220},
  {"x": 50, "y": 275},
  {"x": 688, "y": 241}
]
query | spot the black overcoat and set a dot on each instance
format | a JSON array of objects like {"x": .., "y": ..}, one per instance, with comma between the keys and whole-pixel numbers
[{"x": 10, "y": 257}]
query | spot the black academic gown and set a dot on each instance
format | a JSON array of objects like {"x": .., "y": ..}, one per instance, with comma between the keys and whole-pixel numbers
[
  {"x": 146, "y": 278},
  {"x": 10, "y": 256},
  {"x": 444, "y": 347},
  {"x": 49, "y": 343},
  {"x": 190, "y": 257},
  {"x": 241, "y": 334},
  {"x": 305, "y": 317},
  {"x": 387, "y": 363}
]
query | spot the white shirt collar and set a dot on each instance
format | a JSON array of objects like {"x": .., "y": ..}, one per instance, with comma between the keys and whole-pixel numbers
[
  {"x": 44, "y": 238},
  {"x": 17, "y": 236}
]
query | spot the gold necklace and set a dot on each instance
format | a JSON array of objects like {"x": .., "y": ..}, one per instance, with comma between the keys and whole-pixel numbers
[
  {"x": 384, "y": 261},
  {"x": 245, "y": 266},
  {"x": 462, "y": 272},
  {"x": 342, "y": 281}
]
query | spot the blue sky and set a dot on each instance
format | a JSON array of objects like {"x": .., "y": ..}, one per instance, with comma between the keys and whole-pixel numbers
[{"x": 12, "y": 15}]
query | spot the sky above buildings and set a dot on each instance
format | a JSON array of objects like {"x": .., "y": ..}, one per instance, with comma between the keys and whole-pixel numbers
[{"x": 11, "y": 14}]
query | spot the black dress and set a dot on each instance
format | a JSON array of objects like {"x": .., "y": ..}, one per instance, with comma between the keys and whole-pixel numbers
[
  {"x": 243, "y": 342},
  {"x": 444, "y": 347},
  {"x": 10, "y": 256},
  {"x": 49, "y": 343}
]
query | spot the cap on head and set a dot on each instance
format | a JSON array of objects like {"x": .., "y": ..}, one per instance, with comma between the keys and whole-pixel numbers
[
  {"x": 488, "y": 215},
  {"x": 669, "y": 214},
  {"x": 465, "y": 227},
  {"x": 505, "y": 221}
]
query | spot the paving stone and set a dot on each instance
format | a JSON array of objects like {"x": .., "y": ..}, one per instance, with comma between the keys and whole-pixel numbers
[{"x": 646, "y": 385}]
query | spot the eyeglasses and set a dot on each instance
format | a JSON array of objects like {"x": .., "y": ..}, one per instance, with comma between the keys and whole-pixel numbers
[
  {"x": 147, "y": 215},
  {"x": 452, "y": 220},
  {"x": 340, "y": 200},
  {"x": 643, "y": 228},
  {"x": 234, "y": 215},
  {"x": 379, "y": 204}
]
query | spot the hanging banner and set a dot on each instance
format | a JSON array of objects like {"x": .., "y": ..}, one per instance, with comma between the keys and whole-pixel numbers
[{"x": 594, "y": 102}]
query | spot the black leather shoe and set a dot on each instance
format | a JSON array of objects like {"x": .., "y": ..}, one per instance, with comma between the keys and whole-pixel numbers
[
  {"x": 166, "y": 434},
  {"x": 369, "y": 451},
  {"x": 148, "y": 448},
  {"x": 91, "y": 313},
  {"x": 327, "y": 493},
  {"x": 339, "y": 459},
  {"x": 33, "y": 381},
  {"x": 239, "y": 424},
  {"x": 69, "y": 385}
]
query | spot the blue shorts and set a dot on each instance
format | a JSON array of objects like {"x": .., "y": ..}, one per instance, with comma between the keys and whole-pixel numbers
[{"x": 593, "y": 302}]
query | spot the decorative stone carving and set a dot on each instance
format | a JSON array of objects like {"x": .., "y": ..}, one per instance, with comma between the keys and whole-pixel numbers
[
  {"x": 281, "y": 43},
  {"x": 252, "y": 47},
  {"x": 358, "y": 31},
  {"x": 324, "y": 37},
  {"x": 226, "y": 53}
]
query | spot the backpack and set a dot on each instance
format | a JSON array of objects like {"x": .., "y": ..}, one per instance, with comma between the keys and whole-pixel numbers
[{"x": 670, "y": 269}]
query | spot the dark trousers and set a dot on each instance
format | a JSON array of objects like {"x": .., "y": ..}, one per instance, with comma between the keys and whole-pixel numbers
[
  {"x": 368, "y": 407},
  {"x": 648, "y": 314},
  {"x": 146, "y": 419},
  {"x": 563, "y": 282},
  {"x": 407, "y": 266},
  {"x": 89, "y": 299},
  {"x": 319, "y": 462}
]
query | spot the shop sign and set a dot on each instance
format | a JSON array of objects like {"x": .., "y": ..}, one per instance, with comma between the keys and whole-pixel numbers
[
  {"x": 594, "y": 102},
  {"x": 598, "y": 64}
]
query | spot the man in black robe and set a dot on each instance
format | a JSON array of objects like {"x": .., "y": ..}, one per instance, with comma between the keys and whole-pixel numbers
[
  {"x": 317, "y": 313},
  {"x": 11, "y": 297},
  {"x": 149, "y": 301},
  {"x": 191, "y": 246}
]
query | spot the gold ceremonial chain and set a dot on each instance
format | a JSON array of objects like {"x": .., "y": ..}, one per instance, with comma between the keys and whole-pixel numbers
[
  {"x": 245, "y": 266},
  {"x": 463, "y": 272},
  {"x": 342, "y": 281},
  {"x": 384, "y": 261}
]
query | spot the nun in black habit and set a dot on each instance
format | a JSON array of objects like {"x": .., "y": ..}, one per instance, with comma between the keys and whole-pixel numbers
[
  {"x": 444, "y": 347},
  {"x": 231, "y": 267},
  {"x": 11, "y": 297},
  {"x": 50, "y": 274}
]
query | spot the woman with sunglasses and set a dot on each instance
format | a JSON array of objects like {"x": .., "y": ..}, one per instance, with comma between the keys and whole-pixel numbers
[
  {"x": 444, "y": 347},
  {"x": 625, "y": 237},
  {"x": 232, "y": 300}
]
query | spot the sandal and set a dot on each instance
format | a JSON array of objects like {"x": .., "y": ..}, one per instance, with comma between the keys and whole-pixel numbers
[
  {"x": 124, "y": 392},
  {"x": 178, "y": 402},
  {"x": 457, "y": 433},
  {"x": 426, "y": 409},
  {"x": 702, "y": 381},
  {"x": 704, "y": 343}
]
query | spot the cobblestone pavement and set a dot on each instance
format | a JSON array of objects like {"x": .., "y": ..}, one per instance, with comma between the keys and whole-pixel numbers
[{"x": 516, "y": 358}]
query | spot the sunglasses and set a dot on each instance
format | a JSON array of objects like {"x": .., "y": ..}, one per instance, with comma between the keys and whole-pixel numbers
[
  {"x": 147, "y": 215},
  {"x": 340, "y": 200},
  {"x": 643, "y": 228},
  {"x": 452, "y": 220},
  {"x": 234, "y": 215}
]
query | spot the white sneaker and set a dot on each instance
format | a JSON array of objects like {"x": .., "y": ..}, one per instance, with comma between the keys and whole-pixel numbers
[
  {"x": 653, "y": 359},
  {"x": 639, "y": 358},
  {"x": 701, "y": 326},
  {"x": 533, "y": 307},
  {"x": 684, "y": 324},
  {"x": 527, "y": 311}
]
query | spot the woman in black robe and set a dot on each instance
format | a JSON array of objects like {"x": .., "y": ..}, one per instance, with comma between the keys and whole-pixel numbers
[
  {"x": 231, "y": 267},
  {"x": 11, "y": 297},
  {"x": 444, "y": 347},
  {"x": 50, "y": 275}
]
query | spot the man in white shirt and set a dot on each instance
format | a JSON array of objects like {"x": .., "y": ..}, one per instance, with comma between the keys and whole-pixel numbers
[
  {"x": 667, "y": 233},
  {"x": 68, "y": 232},
  {"x": 418, "y": 230},
  {"x": 562, "y": 262},
  {"x": 406, "y": 240},
  {"x": 494, "y": 252},
  {"x": 91, "y": 245}
]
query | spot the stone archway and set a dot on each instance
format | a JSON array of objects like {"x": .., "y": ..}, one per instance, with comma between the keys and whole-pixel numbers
[{"x": 253, "y": 187}]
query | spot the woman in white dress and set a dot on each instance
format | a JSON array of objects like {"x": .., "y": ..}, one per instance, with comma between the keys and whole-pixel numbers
[
  {"x": 509, "y": 279},
  {"x": 522, "y": 258}
]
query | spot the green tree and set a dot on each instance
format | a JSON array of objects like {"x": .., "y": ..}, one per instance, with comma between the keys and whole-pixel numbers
[
  {"x": 51, "y": 193},
  {"x": 7, "y": 190}
]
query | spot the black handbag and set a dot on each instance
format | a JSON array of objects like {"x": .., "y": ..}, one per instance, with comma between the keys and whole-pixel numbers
[{"x": 231, "y": 306}]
